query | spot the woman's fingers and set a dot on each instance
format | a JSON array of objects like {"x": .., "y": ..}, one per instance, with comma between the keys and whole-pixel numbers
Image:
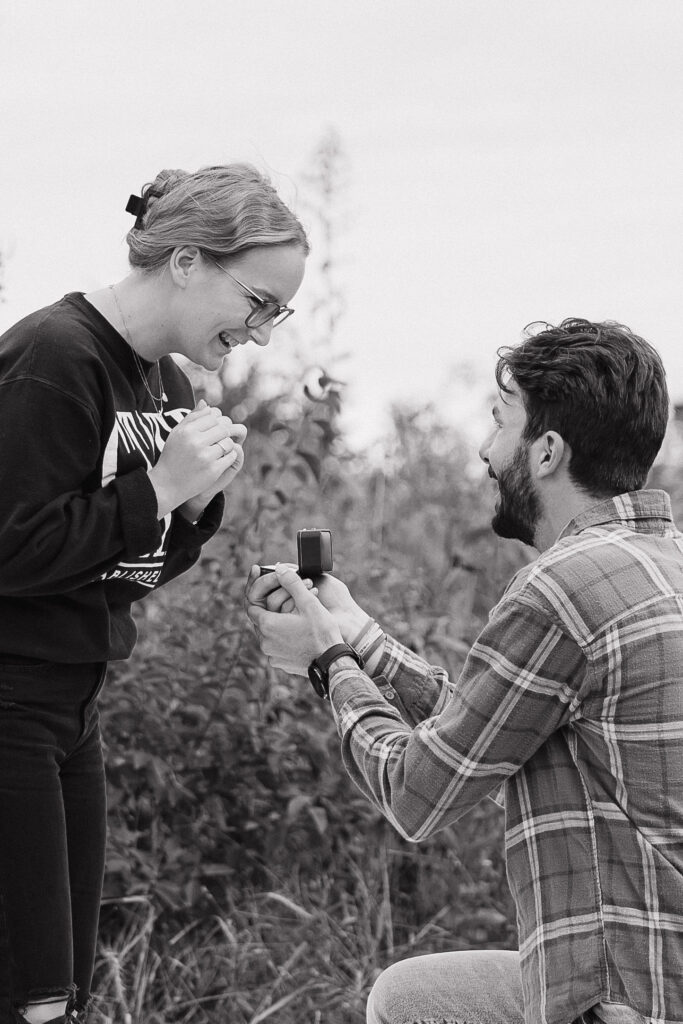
[{"x": 224, "y": 431}]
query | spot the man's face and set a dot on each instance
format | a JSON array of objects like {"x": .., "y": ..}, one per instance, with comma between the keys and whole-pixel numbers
[{"x": 518, "y": 508}]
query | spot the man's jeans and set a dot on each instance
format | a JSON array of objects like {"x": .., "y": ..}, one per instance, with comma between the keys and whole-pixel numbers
[
  {"x": 473, "y": 987},
  {"x": 52, "y": 829}
]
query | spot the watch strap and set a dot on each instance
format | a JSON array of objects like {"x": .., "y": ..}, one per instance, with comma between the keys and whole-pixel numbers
[
  {"x": 325, "y": 660},
  {"x": 319, "y": 669}
]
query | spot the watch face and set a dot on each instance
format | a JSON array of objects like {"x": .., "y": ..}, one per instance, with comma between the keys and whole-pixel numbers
[{"x": 318, "y": 681}]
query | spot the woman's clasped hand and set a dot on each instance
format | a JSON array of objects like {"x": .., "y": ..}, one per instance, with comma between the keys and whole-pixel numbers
[{"x": 201, "y": 456}]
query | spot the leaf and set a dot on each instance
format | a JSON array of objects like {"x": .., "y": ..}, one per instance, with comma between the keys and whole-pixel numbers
[
  {"x": 140, "y": 758},
  {"x": 325, "y": 380},
  {"x": 278, "y": 897},
  {"x": 216, "y": 870},
  {"x": 328, "y": 433},
  {"x": 489, "y": 917},
  {"x": 333, "y": 400},
  {"x": 279, "y": 425},
  {"x": 312, "y": 461},
  {"x": 319, "y": 817},
  {"x": 279, "y": 1005},
  {"x": 312, "y": 398},
  {"x": 296, "y": 805}
]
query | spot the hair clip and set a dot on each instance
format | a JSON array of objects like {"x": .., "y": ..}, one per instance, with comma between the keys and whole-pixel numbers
[{"x": 137, "y": 206}]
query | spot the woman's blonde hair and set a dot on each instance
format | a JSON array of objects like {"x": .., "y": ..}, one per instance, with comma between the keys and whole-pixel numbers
[{"x": 223, "y": 210}]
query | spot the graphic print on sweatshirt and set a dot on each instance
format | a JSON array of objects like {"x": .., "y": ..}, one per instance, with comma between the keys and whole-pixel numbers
[{"x": 137, "y": 439}]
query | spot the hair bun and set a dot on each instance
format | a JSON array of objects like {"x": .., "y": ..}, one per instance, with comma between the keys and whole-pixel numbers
[
  {"x": 164, "y": 183},
  {"x": 222, "y": 210}
]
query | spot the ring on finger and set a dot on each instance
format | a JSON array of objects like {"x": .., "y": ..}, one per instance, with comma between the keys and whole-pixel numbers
[{"x": 226, "y": 450}]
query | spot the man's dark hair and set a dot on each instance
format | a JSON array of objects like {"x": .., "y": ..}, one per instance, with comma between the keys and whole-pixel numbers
[{"x": 602, "y": 388}]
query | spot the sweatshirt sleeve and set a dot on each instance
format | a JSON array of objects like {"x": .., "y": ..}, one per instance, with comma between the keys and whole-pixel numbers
[
  {"x": 187, "y": 539},
  {"x": 59, "y": 529}
]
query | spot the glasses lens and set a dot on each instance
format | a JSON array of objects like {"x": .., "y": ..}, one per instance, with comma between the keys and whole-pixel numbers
[
  {"x": 282, "y": 316},
  {"x": 268, "y": 311},
  {"x": 262, "y": 314}
]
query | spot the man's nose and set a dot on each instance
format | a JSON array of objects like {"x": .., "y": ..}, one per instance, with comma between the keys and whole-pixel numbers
[{"x": 485, "y": 448}]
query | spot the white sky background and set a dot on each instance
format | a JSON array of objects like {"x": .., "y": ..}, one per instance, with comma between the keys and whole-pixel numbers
[{"x": 507, "y": 161}]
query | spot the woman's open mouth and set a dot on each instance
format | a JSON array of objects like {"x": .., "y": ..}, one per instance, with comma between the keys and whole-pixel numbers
[{"x": 226, "y": 340}]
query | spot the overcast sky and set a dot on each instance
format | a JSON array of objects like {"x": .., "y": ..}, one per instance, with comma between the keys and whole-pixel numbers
[{"x": 507, "y": 161}]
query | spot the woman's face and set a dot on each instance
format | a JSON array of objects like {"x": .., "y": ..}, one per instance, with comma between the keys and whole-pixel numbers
[{"x": 209, "y": 307}]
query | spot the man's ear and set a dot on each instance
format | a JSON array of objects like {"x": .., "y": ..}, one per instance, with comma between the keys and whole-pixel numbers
[
  {"x": 184, "y": 260},
  {"x": 550, "y": 452}
]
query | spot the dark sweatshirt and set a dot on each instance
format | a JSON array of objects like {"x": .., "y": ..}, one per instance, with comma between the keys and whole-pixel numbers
[{"x": 79, "y": 535}]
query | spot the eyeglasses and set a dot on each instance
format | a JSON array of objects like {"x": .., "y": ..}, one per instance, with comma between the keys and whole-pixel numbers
[{"x": 266, "y": 310}]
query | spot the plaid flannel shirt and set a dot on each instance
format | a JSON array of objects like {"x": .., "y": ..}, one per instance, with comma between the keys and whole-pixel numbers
[{"x": 572, "y": 699}]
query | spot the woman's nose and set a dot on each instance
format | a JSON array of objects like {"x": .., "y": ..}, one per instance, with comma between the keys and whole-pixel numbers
[{"x": 261, "y": 335}]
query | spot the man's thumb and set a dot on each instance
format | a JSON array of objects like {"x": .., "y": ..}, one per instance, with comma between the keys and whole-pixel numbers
[{"x": 290, "y": 581}]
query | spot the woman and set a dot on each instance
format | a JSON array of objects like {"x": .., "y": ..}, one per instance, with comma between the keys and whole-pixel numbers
[{"x": 110, "y": 482}]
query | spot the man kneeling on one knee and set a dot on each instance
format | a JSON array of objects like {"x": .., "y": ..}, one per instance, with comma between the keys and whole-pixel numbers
[{"x": 571, "y": 700}]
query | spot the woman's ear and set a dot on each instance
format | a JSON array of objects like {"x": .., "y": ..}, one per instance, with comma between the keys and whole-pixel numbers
[{"x": 183, "y": 262}]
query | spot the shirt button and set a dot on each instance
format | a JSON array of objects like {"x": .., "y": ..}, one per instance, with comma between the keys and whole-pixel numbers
[{"x": 388, "y": 692}]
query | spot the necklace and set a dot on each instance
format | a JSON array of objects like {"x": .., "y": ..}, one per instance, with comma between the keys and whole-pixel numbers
[{"x": 157, "y": 400}]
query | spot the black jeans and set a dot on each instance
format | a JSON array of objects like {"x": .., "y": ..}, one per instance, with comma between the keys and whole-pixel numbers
[{"x": 52, "y": 829}]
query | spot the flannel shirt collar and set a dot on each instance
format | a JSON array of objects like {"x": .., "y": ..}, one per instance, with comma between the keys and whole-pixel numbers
[{"x": 641, "y": 511}]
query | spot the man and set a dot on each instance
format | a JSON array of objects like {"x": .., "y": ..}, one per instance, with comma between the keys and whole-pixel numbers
[{"x": 571, "y": 699}]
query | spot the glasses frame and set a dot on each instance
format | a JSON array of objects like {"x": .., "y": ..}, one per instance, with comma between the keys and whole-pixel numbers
[{"x": 256, "y": 318}]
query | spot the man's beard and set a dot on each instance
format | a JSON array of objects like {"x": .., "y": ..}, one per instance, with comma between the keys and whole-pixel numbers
[{"x": 518, "y": 509}]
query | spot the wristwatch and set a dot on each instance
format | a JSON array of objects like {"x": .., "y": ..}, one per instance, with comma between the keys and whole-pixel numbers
[{"x": 319, "y": 669}]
